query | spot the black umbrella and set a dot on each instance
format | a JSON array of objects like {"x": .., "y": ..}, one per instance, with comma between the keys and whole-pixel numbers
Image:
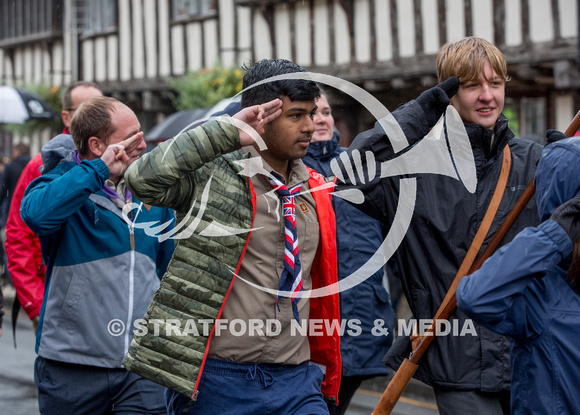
[
  {"x": 186, "y": 120},
  {"x": 172, "y": 125},
  {"x": 18, "y": 106}
]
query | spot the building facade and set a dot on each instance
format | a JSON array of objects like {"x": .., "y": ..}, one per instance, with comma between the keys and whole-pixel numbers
[{"x": 388, "y": 47}]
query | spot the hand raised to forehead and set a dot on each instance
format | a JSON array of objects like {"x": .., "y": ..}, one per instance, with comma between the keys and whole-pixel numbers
[
  {"x": 256, "y": 117},
  {"x": 117, "y": 157}
]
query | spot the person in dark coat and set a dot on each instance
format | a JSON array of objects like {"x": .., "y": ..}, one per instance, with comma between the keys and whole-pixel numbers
[
  {"x": 358, "y": 237},
  {"x": 20, "y": 158},
  {"x": 468, "y": 368},
  {"x": 529, "y": 291}
]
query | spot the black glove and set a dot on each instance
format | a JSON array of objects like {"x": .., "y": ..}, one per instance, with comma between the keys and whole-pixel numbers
[
  {"x": 434, "y": 101},
  {"x": 568, "y": 217},
  {"x": 554, "y": 135}
]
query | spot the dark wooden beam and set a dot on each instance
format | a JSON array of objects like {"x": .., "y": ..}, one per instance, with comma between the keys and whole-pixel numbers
[
  {"x": 204, "y": 62},
  {"x": 119, "y": 59},
  {"x": 218, "y": 34},
  {"x": 395, "y": 31},
  {"x": 236, "y": 34},
  {"x": 525, "y": 10},
  {"x": 144, "y": 28},
  {"x": 442, "y": 19},
  {"x": 157, "y": 40},
  {"x": 373, "y": 30},
  {"x": 468, "y": 17},
  {"x": 184, "y": 41},
  {"x": 169, "y": 37},
  {"x": 312, "y": 32},
  {"x": 331, "y": 37},
  {"x": 499, "y": 23},
  {"x": 93, "y": 42},
  {"x": 556, "y": 19},
  {"x": 130, "y": 41},
  {"x": 419, "y": 49},
  {"x": 252, "y": 33}
]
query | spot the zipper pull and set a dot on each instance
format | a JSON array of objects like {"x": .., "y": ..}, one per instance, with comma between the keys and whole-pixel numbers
[{"x": 132, "y": 240}]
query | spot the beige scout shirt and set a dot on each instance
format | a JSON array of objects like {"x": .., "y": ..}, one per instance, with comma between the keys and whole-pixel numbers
[{"x": 250, "y": 312}]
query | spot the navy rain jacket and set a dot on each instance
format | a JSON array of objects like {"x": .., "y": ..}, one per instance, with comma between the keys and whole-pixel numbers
[{"x": 522, "y": 291}]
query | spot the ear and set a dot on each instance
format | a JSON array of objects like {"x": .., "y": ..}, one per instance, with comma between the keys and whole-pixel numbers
[
  {"x": 65, "y": 118},
  {"x": 96, "y": 147}
]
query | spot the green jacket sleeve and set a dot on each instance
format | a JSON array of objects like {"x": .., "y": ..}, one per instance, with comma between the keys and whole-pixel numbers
[{"x": 165, "y": 176}]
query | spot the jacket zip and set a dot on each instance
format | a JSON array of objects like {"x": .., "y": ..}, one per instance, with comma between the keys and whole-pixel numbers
[{"x": 131, "y": 282}]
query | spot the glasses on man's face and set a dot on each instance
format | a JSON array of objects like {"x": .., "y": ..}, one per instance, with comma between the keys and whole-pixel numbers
[{"x": 71, "y": 109}]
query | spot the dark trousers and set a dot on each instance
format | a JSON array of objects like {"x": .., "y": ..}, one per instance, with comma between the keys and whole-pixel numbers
[
  {"x": 348, "y": 387},
  {"x": 250, "y": 388},
  {"x": 65, "y": 388},
  {"x": 453, "y": 402}
]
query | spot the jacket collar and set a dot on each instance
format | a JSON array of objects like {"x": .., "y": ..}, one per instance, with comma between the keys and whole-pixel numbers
[
  {"x": 324, "y": 149},
  {"x": 481, "y": 139}
]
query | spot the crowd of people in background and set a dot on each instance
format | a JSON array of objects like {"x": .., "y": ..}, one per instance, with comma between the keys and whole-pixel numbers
[{"x": 235, "y": 224}]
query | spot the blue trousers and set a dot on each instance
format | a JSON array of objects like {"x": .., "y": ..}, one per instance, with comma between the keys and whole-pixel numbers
[
  {"x": 65, "y": 388},
  {"x": 253, "y": 389}
]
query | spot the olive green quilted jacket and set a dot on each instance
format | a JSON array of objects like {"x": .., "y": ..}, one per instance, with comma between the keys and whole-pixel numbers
[{"x": 201, "y": 270}]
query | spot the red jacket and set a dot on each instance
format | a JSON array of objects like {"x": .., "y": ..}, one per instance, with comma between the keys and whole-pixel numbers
[
  {"x": 325, "y": 349},
  {"x": 23, "y": 247}
]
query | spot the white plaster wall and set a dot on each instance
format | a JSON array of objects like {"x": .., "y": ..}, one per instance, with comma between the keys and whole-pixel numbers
[
  {"x": 98, "y": 59},
  {"x": 541, "y": 27},
  {"x": 39, "y": 67},
  {"x": 341, "y": 36},
  {"x": 164, "y": 44},
  {"x": 27, "y": 69},
  {"x": 321, "y": 37},
  {"x": 113, "y": 57},
  {"x": 151, "y": 29},
  {"x": 57, "y": 64},
  {"x": 137, "y": 45},
  {"x": 482, "y": 18},
  {"x": 564, "y": 106},
  {"x": 430, "y": 20},
  {"x": 226, "y": 16},
  {"x": 568, "y": 18},
  {"x": 513, "y": 27},
  {"x": 88, "y": 51},
  {"x": 194, "y": 49},
  {"x": 383, "y": 25},
  {"x": 262, "y": 45},
  {"x": 125, "y": 44},
  {"x": 244, "y": 34},
  {"x": 177, "y": 50},
  {"x": 362, "y": 31},
  {"x": 211, "y": 42},
  {"x": 303, "y": 38},
  {"x": 455, "y": 20},
  {"x": 406, "y": 28},
  {"x": 282, "y": 32}
]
